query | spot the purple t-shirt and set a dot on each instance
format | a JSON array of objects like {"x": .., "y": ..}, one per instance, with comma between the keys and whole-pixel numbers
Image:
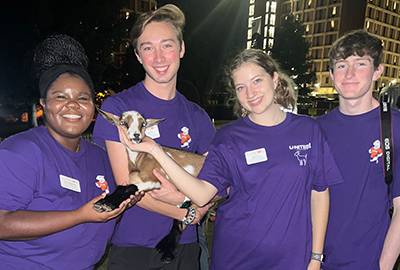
[
  {"x": 36, "y": 174},
  {"x": 359, "y": 217},
  {"x": 138, "y": 226},
  {"x": 266, "y": 221}
]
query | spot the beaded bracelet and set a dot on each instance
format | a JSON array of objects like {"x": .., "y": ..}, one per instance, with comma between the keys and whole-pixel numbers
[
  {"x": 317, "y": 257},
  {"x": 189, "y": 216}
]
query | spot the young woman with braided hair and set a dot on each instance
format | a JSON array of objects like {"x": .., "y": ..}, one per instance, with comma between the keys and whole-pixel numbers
[{"x": 50, "y": 176}]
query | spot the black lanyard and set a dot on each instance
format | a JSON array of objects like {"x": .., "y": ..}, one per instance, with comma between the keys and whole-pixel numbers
[{"x": 387, "y": 142}]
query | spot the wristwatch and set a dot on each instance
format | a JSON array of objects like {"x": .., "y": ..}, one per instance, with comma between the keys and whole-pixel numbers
[
  {"x": 318, "y": 257},
  {"x": 186, "y": 203}
]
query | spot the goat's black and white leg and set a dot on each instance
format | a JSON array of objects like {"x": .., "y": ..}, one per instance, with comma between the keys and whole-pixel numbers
[
  {"x": 112, "y": 201},
  {"x": 168, "y": 246}
]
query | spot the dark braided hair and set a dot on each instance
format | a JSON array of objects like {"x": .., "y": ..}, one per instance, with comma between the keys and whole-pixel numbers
[
  {"x": 57, "y": 50},
  {"x": 57, "y": 55}
]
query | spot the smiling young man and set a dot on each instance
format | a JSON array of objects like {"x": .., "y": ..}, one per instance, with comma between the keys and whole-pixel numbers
[
  {"x": 360, "y": 234},
  {"x": 158, "y": 43}
]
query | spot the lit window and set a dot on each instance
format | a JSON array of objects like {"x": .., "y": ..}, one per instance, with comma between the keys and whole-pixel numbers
[
  {"x": 332, "y": 24},
  {"x": 367, "y": 24},
  {"x": 251, "y": 10},
  {"x": 267, "y": 7},
  {"x": 266, "y": 19},
  {"x": 307, "y": 28},
  {"x": 265, "y": 44},
  {"x": 265, "y": 31},
  {"x": 126, "y": 15},
  {"x": 272, "y": 19},
  {"x": 271, "y": 32},
  {"x": 270, "y": 43},
  {"x": 251, "y": 1},
  {"x": 248, "y": 44},
  {"x": 249, "y": 33},
  {"x": 309, "y": 2},
  {"x": 334, "y": 11},
  {"x": 273, "y": 7},
  {"x": 250, "y": 22}
]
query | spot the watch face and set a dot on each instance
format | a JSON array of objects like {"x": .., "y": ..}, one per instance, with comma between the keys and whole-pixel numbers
[{"x": 186, "y": 204}]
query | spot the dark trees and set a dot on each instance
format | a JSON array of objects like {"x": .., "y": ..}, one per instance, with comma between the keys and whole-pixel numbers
[
  {"x": 291, "y": 50},
  {"x": 25, "y": 23}
]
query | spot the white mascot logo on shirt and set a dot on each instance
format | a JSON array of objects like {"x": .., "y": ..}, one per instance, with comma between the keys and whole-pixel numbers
[
  {"x": 102, "y": 183},
  {"x": 301, "y": 158},
  {"x": 375, "y": 151},
  {"x": 185, "y": 137}
]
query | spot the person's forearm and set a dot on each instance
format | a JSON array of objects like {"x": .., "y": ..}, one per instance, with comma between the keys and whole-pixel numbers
[
  {"x": 27, "y": 225},
  {"x": 200, "y": 192},
  {"x": 391, "y": 247},
  {"x": 319, "y": 217},
  {"x": 161, "y": 208}
]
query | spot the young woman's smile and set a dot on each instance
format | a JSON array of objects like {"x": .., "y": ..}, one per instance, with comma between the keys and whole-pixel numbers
[{"x": 68, "y": 107}]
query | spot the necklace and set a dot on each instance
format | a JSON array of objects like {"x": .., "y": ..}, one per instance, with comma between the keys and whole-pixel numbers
[{"x": 79, "y": 147}]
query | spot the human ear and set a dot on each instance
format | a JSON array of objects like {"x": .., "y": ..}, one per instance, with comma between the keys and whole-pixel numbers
[
  {"x": 275, "y": 79},
  {"x": 331, "y": 75},
  {"x": 42, "y": 102},
  {"x": 182, "y": 52},
  {"x": 378, "y": 72},
  {"x": 138, "y": 57}
]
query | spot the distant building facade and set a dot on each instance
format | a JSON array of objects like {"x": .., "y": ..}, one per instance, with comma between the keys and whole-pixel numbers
[
  {"x": 134, "y": 9},
  {"x": 261, "y": 24},
  {"x": 326, "y": 21}
]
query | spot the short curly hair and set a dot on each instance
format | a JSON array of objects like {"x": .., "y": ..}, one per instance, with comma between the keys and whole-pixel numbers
[{"x": 357, "y": 42}]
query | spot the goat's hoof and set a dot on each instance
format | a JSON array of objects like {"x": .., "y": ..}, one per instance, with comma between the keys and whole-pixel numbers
[
  {"x": 102, "y": 206},
  {"x": 167, "y": 255},
  {"x": 165, "y": 261},
  {"x": 167, "y": 258}
]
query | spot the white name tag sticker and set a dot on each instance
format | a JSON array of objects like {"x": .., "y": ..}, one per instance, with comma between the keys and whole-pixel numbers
[
  {"x": 153, "y": 132},
  {"x": 70, "y": 183},
  {"x": 256, "y": 156}
]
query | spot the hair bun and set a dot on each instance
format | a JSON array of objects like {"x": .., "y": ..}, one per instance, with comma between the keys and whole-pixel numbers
[{"x": 57, "y": 50}]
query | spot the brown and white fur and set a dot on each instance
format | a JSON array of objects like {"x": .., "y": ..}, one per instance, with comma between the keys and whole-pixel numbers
[{"x": 141, "y": 167}]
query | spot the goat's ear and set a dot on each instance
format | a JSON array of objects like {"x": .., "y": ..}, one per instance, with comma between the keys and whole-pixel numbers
[
  {"x": 153, "y": 122},
  {"x": 113, "y": 119}
]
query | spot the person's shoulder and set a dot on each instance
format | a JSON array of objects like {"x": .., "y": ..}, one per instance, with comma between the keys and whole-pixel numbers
[
  {"x": 189, "y": 104},
  {"x": 122, "y": 97},
  {"x": 228, "y": 127},
  {"x": 27, "y": 141},
  {"x": 193, "y": 108},
  {"x": 326, "y": 118},
  {"x": 301, "y": 117},
  {"x": 396, "y": 113}
]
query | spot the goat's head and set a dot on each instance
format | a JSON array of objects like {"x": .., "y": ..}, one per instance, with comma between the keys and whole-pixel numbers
[{"x": 133, "y": 123}]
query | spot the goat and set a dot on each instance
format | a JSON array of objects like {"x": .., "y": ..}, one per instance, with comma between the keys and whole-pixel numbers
[
  {"x": 301, "y": 158},
  {"x": 141, "y": 175}
]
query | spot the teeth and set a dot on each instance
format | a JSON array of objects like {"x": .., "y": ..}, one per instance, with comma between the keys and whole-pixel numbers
[
  {"x": 161, "y": 69},
  {"x": 74, "y": 116},
  {"x": 255, "y": 101}
]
